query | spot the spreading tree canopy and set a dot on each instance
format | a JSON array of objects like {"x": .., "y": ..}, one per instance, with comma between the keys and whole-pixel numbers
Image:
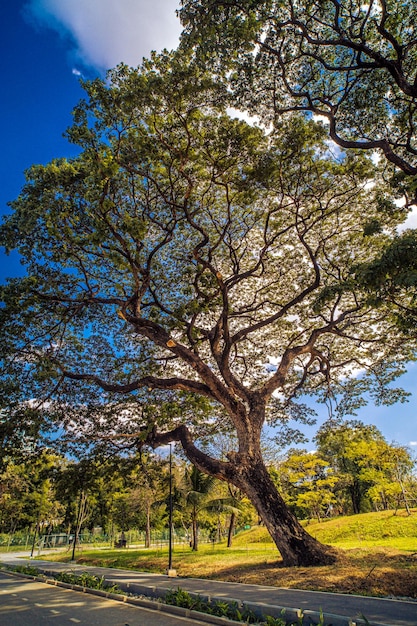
[
  {"x": 352, "y": 62},
  {"x": 183, "y": 277}
]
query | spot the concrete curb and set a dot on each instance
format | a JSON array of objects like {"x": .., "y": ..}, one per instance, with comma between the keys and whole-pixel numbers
[{"x": 155, "y": 594}]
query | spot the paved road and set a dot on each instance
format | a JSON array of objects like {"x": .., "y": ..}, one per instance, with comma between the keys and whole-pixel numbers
[
  {"x": 31, "y": 603},
  {"x": 376, "y": 610}
]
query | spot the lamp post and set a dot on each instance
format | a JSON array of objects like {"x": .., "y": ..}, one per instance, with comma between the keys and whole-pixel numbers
[{"x": 171, "y": 572}]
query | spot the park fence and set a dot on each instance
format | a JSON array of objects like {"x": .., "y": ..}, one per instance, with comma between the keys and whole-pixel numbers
[{"x": 134, "y": 538}]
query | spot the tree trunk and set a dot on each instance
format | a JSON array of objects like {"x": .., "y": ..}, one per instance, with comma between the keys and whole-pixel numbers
[
  {"x": 231, "y": 530},
  {"x": 404, "y": 495},
  {"x": 195, "y": 534},
  {"x": 356, "y": 496},
  {"x": 296, "y": 546},
  {"x": 148, "y": 526}
]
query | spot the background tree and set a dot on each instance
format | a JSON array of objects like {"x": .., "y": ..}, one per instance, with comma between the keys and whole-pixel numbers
[
  {"x": 241, "y": 511},
  {"x": 148, "y": 486},
  {"x": 78, "y": 486},
  {"x": 14, "y": 490},
  {"x": 197, "y": 489},
  {"x": 308, "y": 482},
  {"x": 28, "y": 493},
  {"x": 369, "y": 470},
  {"x": 189, "y": 255}
]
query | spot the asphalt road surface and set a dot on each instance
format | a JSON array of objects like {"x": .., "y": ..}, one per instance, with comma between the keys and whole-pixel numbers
[{"x": 31, "y": 603}]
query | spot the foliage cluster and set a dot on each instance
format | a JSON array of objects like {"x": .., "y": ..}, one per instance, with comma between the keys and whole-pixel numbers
[
  {"x": 353, "y": 470},
  {"x": 30, "y": 570},
  {"x": 180, "y": 597},
  {"x": 86, "y": 579},
  {"x": 114, "y": 496},
  {"x": 231, "y": 610},
  {"x": 349, "y": 62}
]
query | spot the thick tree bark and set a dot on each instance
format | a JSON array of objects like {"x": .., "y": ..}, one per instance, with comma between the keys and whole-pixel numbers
[
  {"x": 356, "y": 496},
  {"x": 296, "y": 546}
]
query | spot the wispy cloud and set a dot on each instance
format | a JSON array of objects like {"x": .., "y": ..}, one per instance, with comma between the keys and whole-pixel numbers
[
  {"x": 413, "y": 443},
  {"x": 107, "y": 32}
]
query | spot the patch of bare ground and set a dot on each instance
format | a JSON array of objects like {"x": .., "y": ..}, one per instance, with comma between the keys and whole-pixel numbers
[{"x": 356, "y": 572}]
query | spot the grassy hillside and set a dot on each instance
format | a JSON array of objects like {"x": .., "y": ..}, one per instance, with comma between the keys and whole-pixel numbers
[{"x": 384, "y": 529}]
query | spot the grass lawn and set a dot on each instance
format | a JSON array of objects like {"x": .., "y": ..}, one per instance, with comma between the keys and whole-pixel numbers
[{"x": 377, "y": 556}]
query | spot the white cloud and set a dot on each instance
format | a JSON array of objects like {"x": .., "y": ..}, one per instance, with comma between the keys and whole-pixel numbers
[
  {"x": 410, "y": 222},
  {"x": 108, "y": 32},
  {"x": 412, "y": 443},
  {"x": 252, "y": 120}
]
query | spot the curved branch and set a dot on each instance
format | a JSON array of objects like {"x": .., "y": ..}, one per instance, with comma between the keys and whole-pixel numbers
[
  {"x": 207, "y": 464},
  {"x": 376, "y": 144},
  {"x": 244, "y": 332},
  {"x": 371, "y": 144},
  {"x": 290, "y": 354},
  {"x": 217, "y": 390},
  {"x": 147, "y": 381}
]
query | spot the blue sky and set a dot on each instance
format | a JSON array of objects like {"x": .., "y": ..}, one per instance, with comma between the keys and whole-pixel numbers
[{"x": 46, "y": 46}]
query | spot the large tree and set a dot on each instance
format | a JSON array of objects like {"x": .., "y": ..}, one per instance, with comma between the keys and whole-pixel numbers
[
  {"x": 308, "y": 482},
  {"x": 183, "y": 255}
]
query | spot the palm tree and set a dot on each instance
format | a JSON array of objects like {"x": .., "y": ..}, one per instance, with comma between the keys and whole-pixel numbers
[{"x": 197, "y": 490}]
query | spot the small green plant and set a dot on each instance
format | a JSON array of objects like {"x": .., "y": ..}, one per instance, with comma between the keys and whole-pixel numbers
[
  {"x": 232, "y": 611},
  {"x": 87, "y": 580},
  {"x": 281, "y": 621},
  {"x": 179, "y": 597},
  {"x": 221, "y": 609},
  {"x": 182, "y": 598},
  {"x": 248, "y": 616},
  {"x": 300, "y": 620}
]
